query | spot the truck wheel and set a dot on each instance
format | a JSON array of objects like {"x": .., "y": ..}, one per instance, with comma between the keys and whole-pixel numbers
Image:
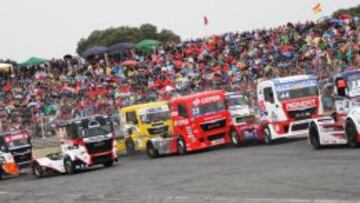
[
  {"x": 181, "y": 146},
  {"x": 151, "y": 151},
  {"x": 37, "y": 171},
  {"x": 314, "y": 136},
  {"x": 235, "y": 141},
  {"x": 108, "y": 163},
  {"x": 267, "y": 135},
  {"x": 69, "y": 166},
  {"x": 130, "y": 146},
  {"x": 351, "y": 134}
]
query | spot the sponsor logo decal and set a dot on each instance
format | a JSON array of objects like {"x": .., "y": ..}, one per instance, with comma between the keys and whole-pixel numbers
[
  {"x": 206, "y": 100},
  {"x": 298, "y": 105}
]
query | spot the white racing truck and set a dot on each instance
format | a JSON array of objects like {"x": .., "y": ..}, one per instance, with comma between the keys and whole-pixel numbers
[
  {"x": 85, "y": 142},
  {"x": 343, "y": 127},
  {"x": 243, "y": 126},
  {"x": 287, "y": 105}
]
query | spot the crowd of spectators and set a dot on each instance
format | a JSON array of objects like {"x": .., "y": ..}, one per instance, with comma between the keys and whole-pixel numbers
[{"x": 232, "y": 61}]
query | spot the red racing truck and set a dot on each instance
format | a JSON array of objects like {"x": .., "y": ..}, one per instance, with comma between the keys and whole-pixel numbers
[{"x": 200, "y": 121}]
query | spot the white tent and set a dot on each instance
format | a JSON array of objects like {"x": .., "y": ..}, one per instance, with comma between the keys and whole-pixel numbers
[{"x": 6, "y": 67}]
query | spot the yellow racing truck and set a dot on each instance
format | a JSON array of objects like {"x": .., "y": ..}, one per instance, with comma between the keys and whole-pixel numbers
[{"x": 139, "y": 123}]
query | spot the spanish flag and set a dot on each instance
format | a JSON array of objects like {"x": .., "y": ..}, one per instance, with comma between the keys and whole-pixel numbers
[{"x": 317, "y": 8}]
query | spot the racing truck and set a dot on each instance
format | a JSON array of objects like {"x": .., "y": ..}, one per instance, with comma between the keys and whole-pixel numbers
[
  {"x": 141, "y": 122},
  {"x": 18, "y": 144},
  {"x": 343, "y": 126},
  {"x": 287, "y": 106},
  {"x": 200, "y": 121},
  {"x": 85, "y": 142},
  {"x": 243, "y": 126}
]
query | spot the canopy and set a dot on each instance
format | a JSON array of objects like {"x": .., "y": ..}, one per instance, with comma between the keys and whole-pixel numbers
[
  {"x": 5, "y": 66},
  {"x": 97, "y": 50},
  {"x": 33, "y": 61},
  {"x": 129, "y": 63},
  {"x": 119, "y": 47},
  {"x": 147, "y": 45}
]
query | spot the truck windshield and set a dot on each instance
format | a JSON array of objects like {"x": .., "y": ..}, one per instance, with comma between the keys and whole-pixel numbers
[
  {"x": 353, "y": 81},
  {"x": 297, "y": 89},
  {"x": 14, "y": 141},
  {"x": 208, "y": 108},
  {"x": 236, "y": 101},
  {"x": 92, "y": 132},
  {"x": 155, "y": 116}
]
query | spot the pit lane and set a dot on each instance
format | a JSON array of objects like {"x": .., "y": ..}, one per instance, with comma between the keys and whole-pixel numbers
[{"x": 284, "y": 172}]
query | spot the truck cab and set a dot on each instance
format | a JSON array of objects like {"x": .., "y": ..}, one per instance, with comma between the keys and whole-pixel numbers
[
  {"x": 200, "y": 120},
  {"x": 287, "y": 105},
  {"x": 342, "y": 127},
  {"x": 347, "y": 104},
  {"x": 87, "y": 141},
  {"x": 139, "y": 123},
  {"x": 243, "y": 126},
  {"x": 18, "y": 143}
]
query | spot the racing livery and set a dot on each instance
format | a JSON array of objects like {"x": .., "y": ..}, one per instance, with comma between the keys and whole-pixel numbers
[
  {"x": 85, "y": 142},
  {"x": 243, "y": 125},
  {"x": 343, "y": 126},
  {"x": 141, "y": 122},
  {"x": 18, "y": 144},
  {"x": 200, "y": 121},
  {"x": 287, "y": 105},
  {"x": 8, "y": 167}
]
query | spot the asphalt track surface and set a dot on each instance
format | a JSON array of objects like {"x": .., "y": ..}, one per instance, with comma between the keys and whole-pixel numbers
[{"x": 285, "y": 172}]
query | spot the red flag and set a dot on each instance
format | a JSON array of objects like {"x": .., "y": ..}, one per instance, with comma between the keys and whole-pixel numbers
[{"x": 206, "y": 21}]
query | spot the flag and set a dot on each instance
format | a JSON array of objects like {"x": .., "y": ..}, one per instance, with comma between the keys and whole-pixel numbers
[
  {"x": 317, "y": 8},
  {"x": 206, "y": 21}
]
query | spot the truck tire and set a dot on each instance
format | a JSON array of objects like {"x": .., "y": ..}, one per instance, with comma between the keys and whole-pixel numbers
[
  {"x": 234, "y": 137},
  {"x": 69, "y": 166},
  {"x": 108, "y": 164},
  {"x": 314, "y": 136},
  {"x": 151, "y": 151},
  {"x": 351, "y": 134},
  {"x": 130, "y": 146},
  {"x": 267, "y": 135},
  {"x": 37, "y": 171},
  {"x": 181, "y": 146}
]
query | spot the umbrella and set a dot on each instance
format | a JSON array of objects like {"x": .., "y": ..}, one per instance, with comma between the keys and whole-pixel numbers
[
  {"x": 129, "y": 63},
  {"x": 97, "y": 50},
  {"x": 335, "y": 21},
  {"x": 33, "y": 61},
  {"x": 147, "y": 45},
  {"x": 119, "y": 47}
]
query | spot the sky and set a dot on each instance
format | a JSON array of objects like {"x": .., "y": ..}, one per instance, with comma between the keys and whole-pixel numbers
[{"x": 52, "y": 28}]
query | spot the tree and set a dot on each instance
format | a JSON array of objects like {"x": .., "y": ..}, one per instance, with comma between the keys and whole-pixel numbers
[
  {"x": 112, "y": 36},
  {"x": 354, "y": 11}
]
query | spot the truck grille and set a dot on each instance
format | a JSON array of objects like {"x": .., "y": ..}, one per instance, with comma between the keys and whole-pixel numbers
[
  {"x": 100, "y": 159},
  {"x": 99, "y": 147},
  {"x": 302, "y": 114},
  {"x": 216, "y": 136},
  {"x": 159, "y": 130},
  {"x": 213, "y": 125},
  {"x": 22, "y": 156},
  {"x": 301, "y": 126}
]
